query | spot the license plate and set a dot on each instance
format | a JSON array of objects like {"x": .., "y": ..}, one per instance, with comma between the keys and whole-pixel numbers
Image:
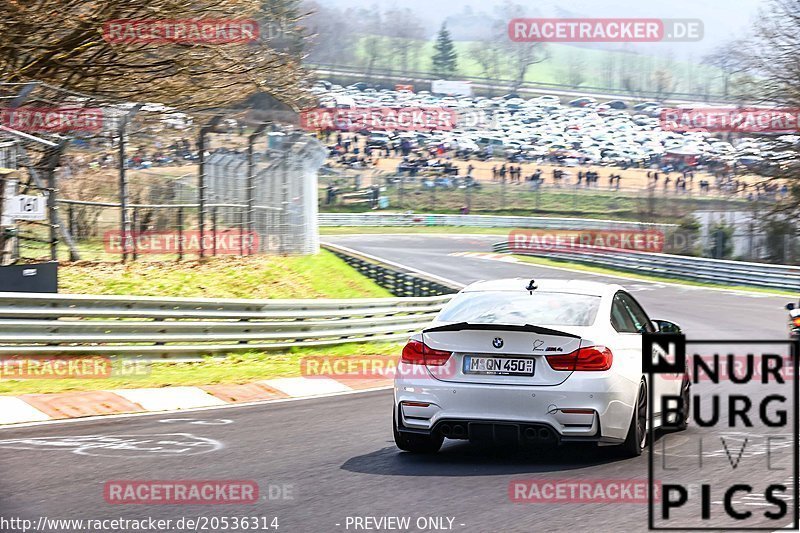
[{"x": 498, "y": 366}]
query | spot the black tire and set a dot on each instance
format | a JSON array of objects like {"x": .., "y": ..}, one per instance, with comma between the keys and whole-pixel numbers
[
  {"x": 637, "y": 431},
  {"x": 416, "y": 443},
  {"x": 686, "y": 395}
]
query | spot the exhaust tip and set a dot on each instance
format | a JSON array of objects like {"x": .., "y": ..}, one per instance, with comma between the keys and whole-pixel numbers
[
  {"x": 458, "y": 431},
  {"x": 544, "y": 434},
  {"x": 530, "y": 433},
  {"x": 445, "y": 429}
]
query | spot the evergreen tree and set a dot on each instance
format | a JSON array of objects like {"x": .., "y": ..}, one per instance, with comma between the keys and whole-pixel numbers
[{"x": 444, "y": 55}]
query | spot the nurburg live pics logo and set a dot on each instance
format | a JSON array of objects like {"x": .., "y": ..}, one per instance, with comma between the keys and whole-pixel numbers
[{"x": 733, "y": 497}]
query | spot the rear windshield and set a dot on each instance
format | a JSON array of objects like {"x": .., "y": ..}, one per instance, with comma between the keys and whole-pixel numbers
[{"x": 538, "y": 309}]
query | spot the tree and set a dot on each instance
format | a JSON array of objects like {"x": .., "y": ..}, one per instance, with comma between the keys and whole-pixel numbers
[
  {"x": 444, "y": 56},
  {"x": 720, "y": 241},
  {"x": 663, "y": 83},
  {"x": 331, "y": 40},
  {"x": 575, "y": 69},
  {"x": 781, "y": 239},
  {"x": 636, "y": 75},
  {"x": 729, "y": 60},
  {"x": 488, "y": 55},
  {"x": 609, "y": 69},
  {"x": 62, "y": 42},
  {"x": 373, "y": 43},
  {"x": 772, "y": 59},
  {"x": 519, "y": 56},
  {"x": 280, "y": 26},
  {"x": 406, "y": 32}
]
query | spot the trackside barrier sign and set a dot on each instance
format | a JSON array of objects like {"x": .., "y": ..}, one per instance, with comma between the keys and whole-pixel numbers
[{"x": 26, "y": 207}]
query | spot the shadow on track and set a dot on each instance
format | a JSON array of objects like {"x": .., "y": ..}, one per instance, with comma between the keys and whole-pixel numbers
[{"x": 462, "y": 459}]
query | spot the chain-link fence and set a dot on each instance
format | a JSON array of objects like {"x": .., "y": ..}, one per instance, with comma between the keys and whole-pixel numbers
[
  {"x": 129, "y": 181},
  {"x": 279, "y": 186}
]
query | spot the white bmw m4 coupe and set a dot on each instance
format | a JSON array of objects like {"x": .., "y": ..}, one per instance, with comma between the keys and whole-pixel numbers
[{"x": 534, "y": 362}]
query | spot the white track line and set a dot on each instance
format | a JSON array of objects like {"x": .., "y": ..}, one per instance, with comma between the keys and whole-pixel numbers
[
  {"x": 183, "y": 411},
  {"x": 13, "y": 411},
  {"x": 169, "y": 398},
  {"x": 306, "y": 386}
]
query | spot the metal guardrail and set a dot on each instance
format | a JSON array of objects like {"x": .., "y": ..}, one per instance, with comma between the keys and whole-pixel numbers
[
  {"x": 785, "y": 277},
  {"x": 148, "y": 327},
  {"x": 186, "y": 328},
  {"x": 397, "y": 279},
  {"x": 525, "y": 86},
  {"x": 481, "y": 221}
]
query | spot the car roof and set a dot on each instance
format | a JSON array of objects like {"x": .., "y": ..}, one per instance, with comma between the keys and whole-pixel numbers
[{"x": 573, "y": 286}]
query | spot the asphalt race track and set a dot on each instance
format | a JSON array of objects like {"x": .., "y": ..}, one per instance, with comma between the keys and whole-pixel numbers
[{"x": 320, "y": 461}]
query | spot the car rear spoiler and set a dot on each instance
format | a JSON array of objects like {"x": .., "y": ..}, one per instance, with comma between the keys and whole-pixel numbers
[{"x": 528, "y": 328}]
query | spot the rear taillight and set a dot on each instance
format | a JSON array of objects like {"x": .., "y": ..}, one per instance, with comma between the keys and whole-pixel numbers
[
  {"x": 796, "y": 321},
  {"x": 416, "y": 353},
  {"x": 588, "y": 358}
]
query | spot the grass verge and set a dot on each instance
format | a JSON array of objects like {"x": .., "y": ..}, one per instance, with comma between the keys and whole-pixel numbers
[
  {"x": 236, "y": 368},
  {"x": 318, "y": 276}
]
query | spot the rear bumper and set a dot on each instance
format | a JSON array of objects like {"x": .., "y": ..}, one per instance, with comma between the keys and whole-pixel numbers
[
  {"x": 505, "y": 431},
  {"x": 594, "y": 407}
]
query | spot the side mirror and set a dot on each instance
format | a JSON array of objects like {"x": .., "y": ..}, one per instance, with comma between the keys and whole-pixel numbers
[
  {"x": 665, "y": 326},
  {"x": 790, "y": 307}
]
